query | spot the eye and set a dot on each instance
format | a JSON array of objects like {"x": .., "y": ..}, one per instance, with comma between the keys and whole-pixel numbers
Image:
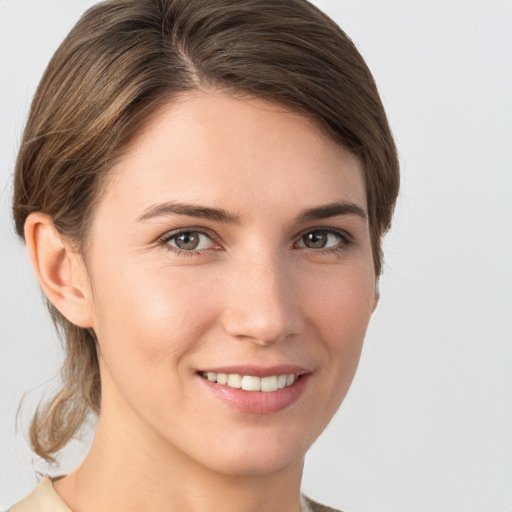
[
  {"x": 323, "y": 239},
  {"x": 189, "y": 241}
]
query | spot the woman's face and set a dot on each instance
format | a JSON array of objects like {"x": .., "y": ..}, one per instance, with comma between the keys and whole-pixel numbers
[{"x": 230, "y": 248}]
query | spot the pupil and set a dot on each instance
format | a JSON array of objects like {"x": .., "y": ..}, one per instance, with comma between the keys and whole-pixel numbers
[
  {"x": 315, "y": 240},
  {"x": 187, "y": 241}
]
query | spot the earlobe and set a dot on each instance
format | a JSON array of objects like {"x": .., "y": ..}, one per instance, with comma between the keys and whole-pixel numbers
[
  {"x": 60, "y": 270},
  {"x": 376, "y": 296}
]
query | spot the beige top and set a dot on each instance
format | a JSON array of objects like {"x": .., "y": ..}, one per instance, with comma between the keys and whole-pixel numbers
[{"x": 44, "y": 498}]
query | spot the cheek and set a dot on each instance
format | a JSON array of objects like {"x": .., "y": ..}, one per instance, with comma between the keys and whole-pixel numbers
[
  {"x": 344, "y": 301},
  {"x": 340, "y": 312},
  {"x": 146, "y": 333},
  {"x": 154, "y": 318}
]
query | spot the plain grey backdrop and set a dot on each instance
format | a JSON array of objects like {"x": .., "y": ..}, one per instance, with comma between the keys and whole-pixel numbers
[{"x": 427, "y": 425}]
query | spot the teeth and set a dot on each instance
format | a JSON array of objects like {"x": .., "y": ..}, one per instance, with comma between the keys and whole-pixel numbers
[
  {"x": 234, "y": 380},
  {"x": 250, "y": 382},
  {"x": 269, "y": 383}
]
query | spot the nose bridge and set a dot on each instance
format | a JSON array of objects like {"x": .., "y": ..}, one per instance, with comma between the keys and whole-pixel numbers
[{"x": 263, "y": 304}]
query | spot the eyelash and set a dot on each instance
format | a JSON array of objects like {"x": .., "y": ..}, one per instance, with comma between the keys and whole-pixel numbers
[{"x": 345, "y": 241}]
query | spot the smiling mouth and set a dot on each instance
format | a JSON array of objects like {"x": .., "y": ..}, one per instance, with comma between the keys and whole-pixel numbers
[{"x": 251, "y": 382}]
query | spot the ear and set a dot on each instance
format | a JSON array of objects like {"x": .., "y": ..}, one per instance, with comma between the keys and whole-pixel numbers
[
  {"x": 60, "y": 269},
  {"x": 376, "y": 296}
]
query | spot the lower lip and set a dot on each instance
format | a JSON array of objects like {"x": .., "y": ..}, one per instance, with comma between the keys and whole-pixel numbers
[{"x": 258, "y": 402}]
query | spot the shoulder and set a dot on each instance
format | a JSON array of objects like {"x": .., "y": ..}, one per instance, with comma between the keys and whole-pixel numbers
[
  {"x": 42, "y": 499},
  {"x": 309, "y": 505}
]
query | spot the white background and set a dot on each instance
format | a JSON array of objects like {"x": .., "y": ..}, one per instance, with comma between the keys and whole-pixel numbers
[{"x": 427, "y": 425}]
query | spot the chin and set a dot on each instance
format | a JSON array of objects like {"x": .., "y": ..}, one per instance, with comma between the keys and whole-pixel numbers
[
  {"x": 261, "y": 465},
  {"x": 257, "y": 455}
]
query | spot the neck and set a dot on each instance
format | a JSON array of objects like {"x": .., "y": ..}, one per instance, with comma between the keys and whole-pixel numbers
[{"x": 128, "y": 470}]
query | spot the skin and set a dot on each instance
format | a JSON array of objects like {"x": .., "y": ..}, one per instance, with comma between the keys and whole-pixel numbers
[{"x": 254, "y": 294}]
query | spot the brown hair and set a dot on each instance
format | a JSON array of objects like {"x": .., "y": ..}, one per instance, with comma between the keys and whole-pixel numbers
[{"x": 126, "y": 58}]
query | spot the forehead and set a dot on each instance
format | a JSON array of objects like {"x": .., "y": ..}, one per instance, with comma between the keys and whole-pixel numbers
[{"x": 225, "y": 151}]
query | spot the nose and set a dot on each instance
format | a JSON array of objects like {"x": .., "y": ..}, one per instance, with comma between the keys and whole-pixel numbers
[{"x": 263, "y": 302}]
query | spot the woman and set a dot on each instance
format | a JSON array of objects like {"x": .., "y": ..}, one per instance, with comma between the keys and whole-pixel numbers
[{"x": 203, "y": 188}]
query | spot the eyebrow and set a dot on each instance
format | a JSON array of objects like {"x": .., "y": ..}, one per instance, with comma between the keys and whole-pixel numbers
[
  {"x": 332, "y": 210},
  {"x": 221, "y": 215},
  {"x": 192, "y": 210}
]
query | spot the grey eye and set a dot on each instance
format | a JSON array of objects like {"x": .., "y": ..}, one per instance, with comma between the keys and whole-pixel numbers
[
  {"x": 316, "y": 240},
  {"x": 319, "y": 240},
  {"x": 190, "y": 241}
]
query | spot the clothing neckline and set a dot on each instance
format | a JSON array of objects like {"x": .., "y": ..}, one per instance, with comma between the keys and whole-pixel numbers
[{"x": 47, "y": 499}]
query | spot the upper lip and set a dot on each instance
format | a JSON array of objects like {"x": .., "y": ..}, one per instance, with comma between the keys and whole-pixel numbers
[{"x": 258, "y": 371}]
